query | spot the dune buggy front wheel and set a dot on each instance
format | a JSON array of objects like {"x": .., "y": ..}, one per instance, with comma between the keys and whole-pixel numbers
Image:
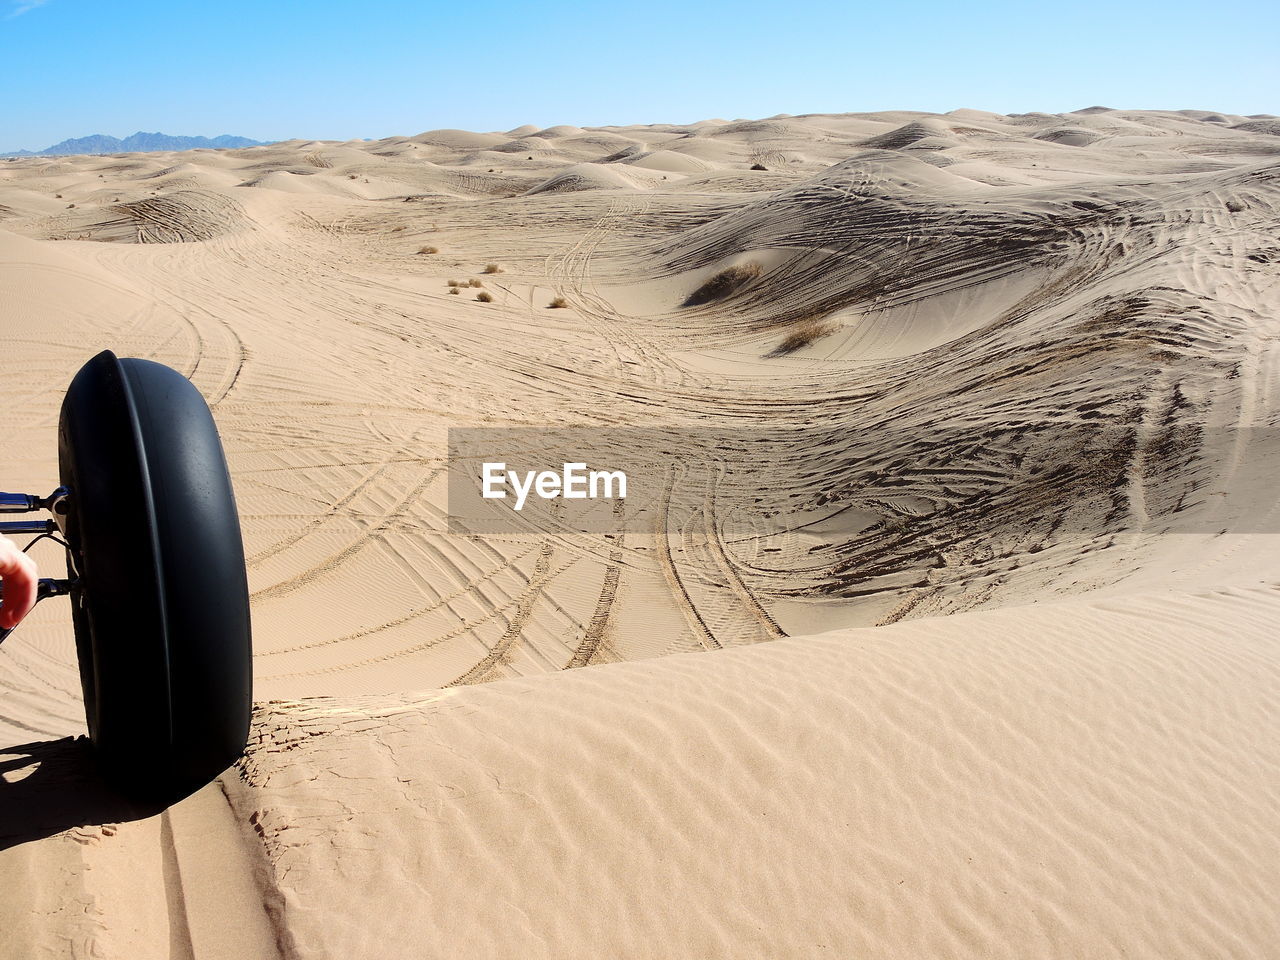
[{"x": 160, "y": 602}]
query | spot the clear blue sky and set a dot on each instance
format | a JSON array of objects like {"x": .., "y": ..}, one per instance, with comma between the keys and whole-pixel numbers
[{"x": 330, "y": 70}]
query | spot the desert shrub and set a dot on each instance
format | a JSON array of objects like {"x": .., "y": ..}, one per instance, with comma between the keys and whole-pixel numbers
[
  {"x": 353, "y": 176},
  {"x": 484, "y": 296},
  {"x": 758, "y": 166},
  {"x": 491, "y": 268},
  {"x": 70, "y": 205},
  {"x": 428, "y": 250},
  {"x": 558, "y": 302},
  {"x": 473, "y": 282},
  {"x": 724, "y": 283},
  {"x": 807, "y": 332},
  {"x": 454, "y": 290},
  {"x": 454, "y": 283}
]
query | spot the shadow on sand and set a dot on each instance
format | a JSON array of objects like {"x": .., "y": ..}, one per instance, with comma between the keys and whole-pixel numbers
[{"x": 64, "y": 790}]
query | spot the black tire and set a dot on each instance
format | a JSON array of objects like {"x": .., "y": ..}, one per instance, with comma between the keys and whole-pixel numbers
[{"x": 161, "y": 610}]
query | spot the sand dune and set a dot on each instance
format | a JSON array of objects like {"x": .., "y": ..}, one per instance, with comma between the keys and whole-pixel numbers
[{"x": 1001, "y": 691}]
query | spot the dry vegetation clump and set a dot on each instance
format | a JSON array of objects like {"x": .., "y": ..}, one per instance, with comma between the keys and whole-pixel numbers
[
  {"x": 484, "y": 296},
  {"x": 353, "y": 176},
  {"x": 895, "y": 524},
  {"x": 454, "y": 290},
  {"x": 557, "y": 303},
  {"x": 725, "y": 282},
  {"x": 454, "y": 283},
  {"x": 473, "y": 282},
  {"x": 491, "y": 268},
  {"x": 758, "y": 166},
  {"x": 399, "y": 229},
  {"x": 807, "y": 332},
  {"x": 428, "y": 250}
]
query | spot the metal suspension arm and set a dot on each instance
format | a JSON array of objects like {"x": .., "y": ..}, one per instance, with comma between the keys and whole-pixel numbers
[
  {"x": 19, "y": 503},
  {"x": 10, "y": 528},
  {"x": 55, "y": 503}
]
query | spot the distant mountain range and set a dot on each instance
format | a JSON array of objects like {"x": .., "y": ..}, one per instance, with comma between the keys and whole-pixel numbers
[{"x": 137, "y": 143}]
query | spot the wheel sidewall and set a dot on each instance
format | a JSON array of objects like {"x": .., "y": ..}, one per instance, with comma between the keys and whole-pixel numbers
[{"x": 161, "y": 612}]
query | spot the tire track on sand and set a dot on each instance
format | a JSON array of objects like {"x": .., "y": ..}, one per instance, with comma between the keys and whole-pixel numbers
[
  {"x": 501, "y": 652},
  {"x": 736, "y": 584},
  {"x": 368, "y": 535},
  {"x": 338, "y": 505},
  {"x": 599, "y": 622},
  {"x": 661, "y": 534}
]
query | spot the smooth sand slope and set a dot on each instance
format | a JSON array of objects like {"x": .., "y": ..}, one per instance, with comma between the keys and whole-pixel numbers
[{"x": 1010, "y": 390}]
